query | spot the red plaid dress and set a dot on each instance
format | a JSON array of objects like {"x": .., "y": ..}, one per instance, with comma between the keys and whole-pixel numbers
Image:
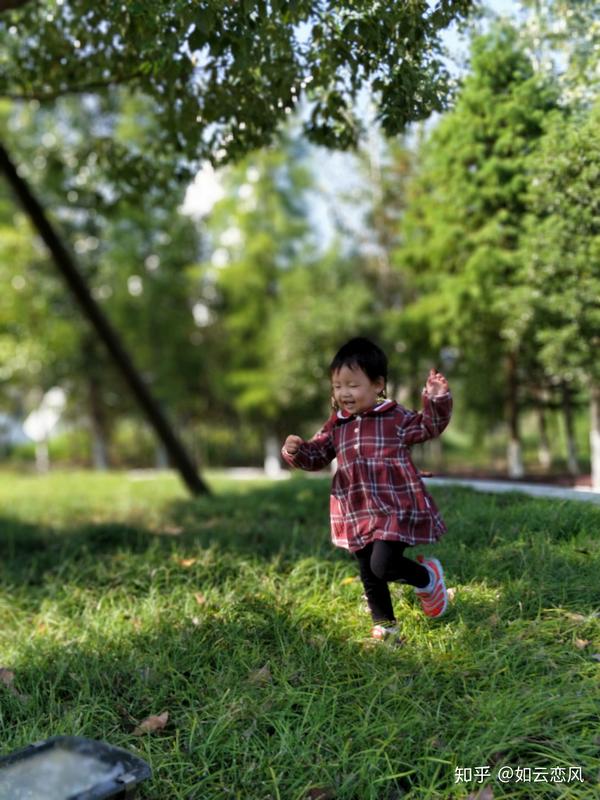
[{"x": 377, "y": 492}]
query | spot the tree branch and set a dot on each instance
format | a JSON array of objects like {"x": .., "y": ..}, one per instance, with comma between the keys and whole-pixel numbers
[
  {"x": 43, "y": 97},
  {"x": 8, "y": 5}
]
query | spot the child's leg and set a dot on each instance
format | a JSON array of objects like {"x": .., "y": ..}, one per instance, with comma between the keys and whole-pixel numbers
[
  {"x": 389, "y": 564},
  {"x": 376, "y": 589}
]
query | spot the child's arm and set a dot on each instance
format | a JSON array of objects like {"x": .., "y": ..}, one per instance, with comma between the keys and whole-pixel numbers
[
  {"x": 437, "y": 409},
  {"x": 312, "y": 455}
]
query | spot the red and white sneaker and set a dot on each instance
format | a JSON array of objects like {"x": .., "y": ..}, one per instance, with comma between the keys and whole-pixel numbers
[{"x": 434, "y": 602}]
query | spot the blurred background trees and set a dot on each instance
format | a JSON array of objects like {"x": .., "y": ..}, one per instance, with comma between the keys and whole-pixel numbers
[{"x": 469, "y": 243}]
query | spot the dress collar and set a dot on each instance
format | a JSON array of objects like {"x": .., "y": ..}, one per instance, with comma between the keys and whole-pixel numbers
[{"x": 382, "y": 405}]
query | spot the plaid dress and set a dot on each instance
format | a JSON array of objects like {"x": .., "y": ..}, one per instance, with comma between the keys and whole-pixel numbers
[{"x": 377, "y": 492}]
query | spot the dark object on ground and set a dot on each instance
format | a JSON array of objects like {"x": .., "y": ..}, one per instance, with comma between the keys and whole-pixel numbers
[{"x": 70, "y": 768}]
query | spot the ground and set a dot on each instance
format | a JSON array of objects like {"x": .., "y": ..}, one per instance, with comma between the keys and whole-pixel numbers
[{"x": 121, "y": 599}]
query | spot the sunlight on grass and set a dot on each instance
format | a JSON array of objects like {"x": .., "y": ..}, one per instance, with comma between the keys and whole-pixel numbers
[{"x": 123, "y": 597}]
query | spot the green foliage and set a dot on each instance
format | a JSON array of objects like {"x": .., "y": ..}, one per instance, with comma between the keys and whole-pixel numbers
[
  {"x": 565, "y": 37},
  {"x": 465, "y": 217},
  {"x": 222, "y": 77},
  {"x": 258, "y": 234},
  {"x": 135, "y": 251},
  {"x": 563, "y": 250}
]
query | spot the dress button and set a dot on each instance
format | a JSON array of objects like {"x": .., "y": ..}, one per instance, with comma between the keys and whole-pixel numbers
[
  {"x": 356, "y": 430},
  {"x": 356, "y": 447}
]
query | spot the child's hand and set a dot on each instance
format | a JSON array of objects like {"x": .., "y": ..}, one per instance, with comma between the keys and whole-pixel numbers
[
  {"x": 292, "y": 443},
  {"x": 436, "y": 384}
]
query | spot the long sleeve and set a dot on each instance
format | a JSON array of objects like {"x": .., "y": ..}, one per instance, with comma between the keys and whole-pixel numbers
[
  {"x": 316, "y": 453},
  {"x": 419, "y": 426}
]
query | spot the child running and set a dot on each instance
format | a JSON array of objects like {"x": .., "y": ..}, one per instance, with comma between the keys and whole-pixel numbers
[{"x": 379, "y": 505}]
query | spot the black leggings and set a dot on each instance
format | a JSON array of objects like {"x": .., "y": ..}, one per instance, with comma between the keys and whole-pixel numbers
[{"x": 382, "y": 561}]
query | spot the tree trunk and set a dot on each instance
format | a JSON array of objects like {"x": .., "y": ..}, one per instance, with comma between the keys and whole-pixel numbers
[
  {"x": 572, "y": 464},
  {"x": 436, "y": 453},
  {"x": 272, "y": 463},
  {"x": 514, "y": 451},
  {"x": 595, "y": 436},
  {"x": 42, "y": 460},
  {"x": 544, "y": 452},
  {"x": 67, "y": 266},
  {"x": 98, "y": 423},
  {"x": 161, "y": 457},
  {"x": 100, "y": 460}
]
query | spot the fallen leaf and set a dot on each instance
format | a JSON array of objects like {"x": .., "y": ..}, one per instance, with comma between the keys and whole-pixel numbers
[
  {"x": 172, "y": 530},
  {"x": 261, "y": 677},
  {"x": 7, "y": 677},
  {"x": 575, "y": 617},
  {"x": 200, "y": 598},
  {"x": 482, "y": 794},
  {"x": 152, "y": 724},
  {"x": 320, "y": 793},
  {"x": 187, "y": 562},
  {"x": 348, "y": 581},
  {"x": 437, "y": 743},
  {"x": 451, "y": 592},
  {"x": 581, "y": 644}
]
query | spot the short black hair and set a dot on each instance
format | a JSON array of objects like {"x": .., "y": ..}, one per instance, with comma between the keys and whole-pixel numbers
[{"x": 363, "y": 353}]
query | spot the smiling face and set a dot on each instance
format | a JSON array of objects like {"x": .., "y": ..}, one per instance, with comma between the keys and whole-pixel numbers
[{"x": 353, "y": 390}]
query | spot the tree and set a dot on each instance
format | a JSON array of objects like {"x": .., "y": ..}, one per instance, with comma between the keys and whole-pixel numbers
[
  {"x": 134, "y": 259},
  {"x": 563, "y": 257},
  {"x": 258, "y": 233},
  {"x": 221, "y": 79},
  {"x": 465, "y": 224},
  {"x": 563, "y": 37}
]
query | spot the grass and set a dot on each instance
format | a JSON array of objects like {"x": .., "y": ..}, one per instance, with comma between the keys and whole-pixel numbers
[{"x": 121, "y": 598}]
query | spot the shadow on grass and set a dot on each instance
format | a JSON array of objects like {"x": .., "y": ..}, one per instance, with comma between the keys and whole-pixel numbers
[
  {"x": 326, "y": 703},
  {"x": 256, "y": 701},
  {"x": 542, "y": 550}
]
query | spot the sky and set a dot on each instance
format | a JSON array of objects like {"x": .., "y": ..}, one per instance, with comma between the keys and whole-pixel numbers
[{"x": 334, "y": 170}]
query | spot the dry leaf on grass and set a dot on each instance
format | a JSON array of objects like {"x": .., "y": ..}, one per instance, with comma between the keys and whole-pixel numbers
[
  {"x": 451, "y": 593},
  {"x": 171, "y": 530},
  {"x": 575, "y": 617},
  {"x": 482, "y": 794},
  {"x": 320, "y": 793},
  {"x": 348, "y": 581},
  {"x": 581, "y": 644},
  {"x": 7, "y": 677},
  {"x": 200, "y": 598},
  {"x": 187, "y": 562},
  {"x": 152, "y": 724},
  {"x": 261, "y": 677}
]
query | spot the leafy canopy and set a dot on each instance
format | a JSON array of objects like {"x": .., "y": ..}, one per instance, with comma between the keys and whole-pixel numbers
[{"x": 222, "y": 76}]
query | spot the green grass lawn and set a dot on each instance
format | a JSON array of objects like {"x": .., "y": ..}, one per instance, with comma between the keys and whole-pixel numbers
[{"x": 124, "y": 598}]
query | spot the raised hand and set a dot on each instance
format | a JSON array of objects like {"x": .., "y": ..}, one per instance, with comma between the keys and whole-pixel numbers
[
  {"x": 436, "y": 384},
  {"x": 292, "y": 443}
]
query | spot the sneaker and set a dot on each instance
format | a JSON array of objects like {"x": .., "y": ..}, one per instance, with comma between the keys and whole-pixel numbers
[
  {"x": 381, "y": 632},
  {"x": 434, "y": 602}
]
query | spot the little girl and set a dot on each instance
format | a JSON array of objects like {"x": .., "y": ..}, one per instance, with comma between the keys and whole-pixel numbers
[{"x": 379, "y": 505}]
